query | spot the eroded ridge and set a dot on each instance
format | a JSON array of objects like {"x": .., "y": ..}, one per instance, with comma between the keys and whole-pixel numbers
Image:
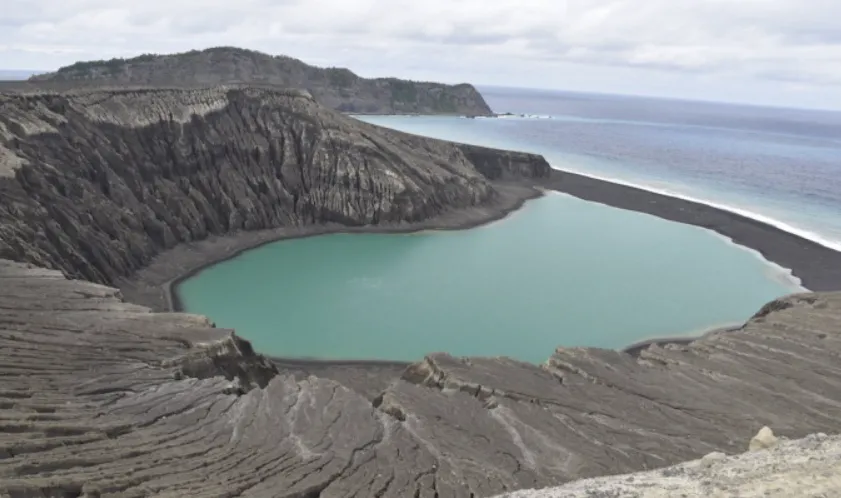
[
  {"x": 97, "y": 182},
  {"x": 102, "y": 397}
]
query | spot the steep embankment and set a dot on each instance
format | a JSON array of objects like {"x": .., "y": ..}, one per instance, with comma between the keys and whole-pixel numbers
[
  {"x": 337, "y": 88},
  {"x": 98, "y": 182},
  {"x": 100, "y": 396}
]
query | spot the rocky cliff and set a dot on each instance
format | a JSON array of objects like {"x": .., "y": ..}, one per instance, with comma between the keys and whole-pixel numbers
[
  {"x": 97, "y": 182},
  {"x": 334, "y": 87}
]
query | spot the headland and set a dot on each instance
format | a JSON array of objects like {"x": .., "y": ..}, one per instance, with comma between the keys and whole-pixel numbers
[{"x": 334, "y": 87}]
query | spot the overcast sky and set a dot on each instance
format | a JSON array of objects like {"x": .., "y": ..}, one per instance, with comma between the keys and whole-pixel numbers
[{"x": 782, "y": 52}]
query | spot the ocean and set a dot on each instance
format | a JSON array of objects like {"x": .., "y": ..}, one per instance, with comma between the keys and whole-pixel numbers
[
  {"x": 777, "y": 165},
  {"x": 561, "y": 271}
]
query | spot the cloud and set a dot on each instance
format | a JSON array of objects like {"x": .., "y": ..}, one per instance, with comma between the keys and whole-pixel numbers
[{"x": 783, "y": 40}]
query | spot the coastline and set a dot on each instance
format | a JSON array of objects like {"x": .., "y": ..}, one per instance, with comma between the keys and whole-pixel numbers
[{"x": 751, "y": 231}]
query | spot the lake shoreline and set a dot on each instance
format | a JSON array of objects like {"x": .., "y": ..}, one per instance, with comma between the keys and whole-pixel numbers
[
  {"x": 156, "y": 285},
  {"x": 636, "y": 348}
]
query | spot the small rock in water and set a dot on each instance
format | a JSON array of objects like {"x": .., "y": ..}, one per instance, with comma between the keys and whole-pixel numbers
[{"x": 764, "y": 439}]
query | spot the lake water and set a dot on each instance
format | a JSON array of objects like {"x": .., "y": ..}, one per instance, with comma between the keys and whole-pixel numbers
[{"x": 561, "y": 271}]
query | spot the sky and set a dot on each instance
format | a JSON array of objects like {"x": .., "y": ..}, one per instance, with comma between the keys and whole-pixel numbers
[{"x": 773, "y": 52}]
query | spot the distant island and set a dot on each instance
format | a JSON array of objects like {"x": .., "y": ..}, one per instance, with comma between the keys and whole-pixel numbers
[{"x": 338, "y": 88}]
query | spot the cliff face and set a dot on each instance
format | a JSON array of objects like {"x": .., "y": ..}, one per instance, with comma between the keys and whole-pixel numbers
[
  {"x": 337, "y": 88},
  {"x": 100, "y": 397},
  {"x": 97, "y": 182}
]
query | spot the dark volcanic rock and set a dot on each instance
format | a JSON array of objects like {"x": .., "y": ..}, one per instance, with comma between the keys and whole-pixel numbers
[
  {"x": 338, "y": 88},
  {"x": 98, "y": 182},
  {"x": 100, "y": 397}
]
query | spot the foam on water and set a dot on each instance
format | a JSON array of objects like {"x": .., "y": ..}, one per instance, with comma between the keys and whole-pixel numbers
[{"x": 653, "y": 124}]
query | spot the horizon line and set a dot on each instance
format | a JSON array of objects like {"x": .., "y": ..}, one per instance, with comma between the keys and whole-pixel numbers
[{"x": 831, "y": 110}]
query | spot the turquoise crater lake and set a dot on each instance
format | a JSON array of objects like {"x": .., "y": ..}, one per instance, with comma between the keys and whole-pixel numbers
[{"x": 559, "y": 272}]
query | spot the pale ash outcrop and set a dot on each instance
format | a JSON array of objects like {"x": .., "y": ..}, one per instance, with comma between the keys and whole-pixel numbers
[
  {"x": 100, "y": 397},
  {"x": 803, "y": 468}
]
